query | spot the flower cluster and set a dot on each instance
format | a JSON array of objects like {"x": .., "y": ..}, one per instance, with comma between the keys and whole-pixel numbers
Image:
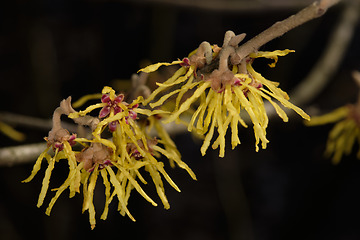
[
  {"x": 344, "y": 134},
  {"x": 220, "y": 90},
  {"x": 120, "y": 160},
  {"x": 214, "y": 85},
  {"x": 346, "y": 130},
  {"x": 222, "y": 93}
]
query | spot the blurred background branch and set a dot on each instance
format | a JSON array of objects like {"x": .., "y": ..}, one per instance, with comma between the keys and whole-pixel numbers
[
  {"x": 22, "y": 154},
  {"x": 32, "y": 122}
]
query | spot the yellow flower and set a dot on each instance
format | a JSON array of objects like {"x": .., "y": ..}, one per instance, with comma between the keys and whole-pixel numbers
[
  {"x": 221, "y": 96},
  {"x": 169, "y": 148},
  {"x": 133, "y": 149},
  {"x": 120, "y": 160},
  {"x": 63, "y": 150},
  {"x": 344, "y": 134}
]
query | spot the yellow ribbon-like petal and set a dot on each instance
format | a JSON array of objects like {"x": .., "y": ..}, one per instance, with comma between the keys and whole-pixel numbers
[
  {"x": 154, "y": 67},
  {"x": 81, "y": 101},
  {"x": 272, "y": 55},
  {"x": 331, "y": 117}
]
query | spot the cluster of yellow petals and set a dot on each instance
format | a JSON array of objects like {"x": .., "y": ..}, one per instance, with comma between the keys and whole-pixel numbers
[
  {"x": 72, "y": 182},
  {"x": 121, "y": 171},
  {"x": 217, "y": 110},
  {"x": 343, "y": 135},
  {"x": 122, "y": 159}
]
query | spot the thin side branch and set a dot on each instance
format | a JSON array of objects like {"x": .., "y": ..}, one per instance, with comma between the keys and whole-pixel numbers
[
  {"x": 328, "y": 63},
  {"x": 333, "y": 54},
  {"x": 315, "y": 10}
]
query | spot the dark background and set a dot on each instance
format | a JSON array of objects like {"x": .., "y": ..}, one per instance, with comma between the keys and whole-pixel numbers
[{"x": 53, "y": 49}]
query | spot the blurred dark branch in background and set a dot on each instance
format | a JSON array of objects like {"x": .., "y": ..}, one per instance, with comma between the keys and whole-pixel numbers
[
  {"x": 32, "y": 122},
  {"x": 10, "y": 156}
]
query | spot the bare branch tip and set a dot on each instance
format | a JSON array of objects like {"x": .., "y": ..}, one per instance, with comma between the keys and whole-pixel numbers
[
  {"x": 66, "y": 107},
  {"x": 326, "y": 4},
  {"x": 234, "y": 42},
  {"x": 206, "y": 50}
]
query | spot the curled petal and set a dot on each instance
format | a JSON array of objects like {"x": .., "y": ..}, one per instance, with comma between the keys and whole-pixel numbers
[
  {"x": 334, "y": 116},
  {"x": 37, "y": 164},
  {"x": 154, "y": 67},
  {"x": 110, "y": 91},
  {"x": 273, "y": 55},
  {"x": 11, "y": 132},
  {"x": 148, "y": 112},
  {"x": 86, "y": 111},
  {"x": 177, "y": 74},
  {"x": 86, "y": 98}
]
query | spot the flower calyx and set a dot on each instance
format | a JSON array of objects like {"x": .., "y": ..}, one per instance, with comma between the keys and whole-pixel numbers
[
  {"x": 57, "y": 137},
  {"x": 134, "y": 152},
  {"x": 202, "y": 56},
  {"x": 219, "y": 79},
  {"x": 95, "y": 154}
]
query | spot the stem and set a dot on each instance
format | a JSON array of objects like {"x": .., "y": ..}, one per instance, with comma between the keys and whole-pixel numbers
[
  {"x": 228, "y": 36},
  {"x": 205, "y": 50},
  {"x": 315, "y": 10},
  {"x": 56, "y": 119},
  {"x": 65, "y": 108},
  {"x": 224, "y": 56},
  {"x": 334, "y": 52}
]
